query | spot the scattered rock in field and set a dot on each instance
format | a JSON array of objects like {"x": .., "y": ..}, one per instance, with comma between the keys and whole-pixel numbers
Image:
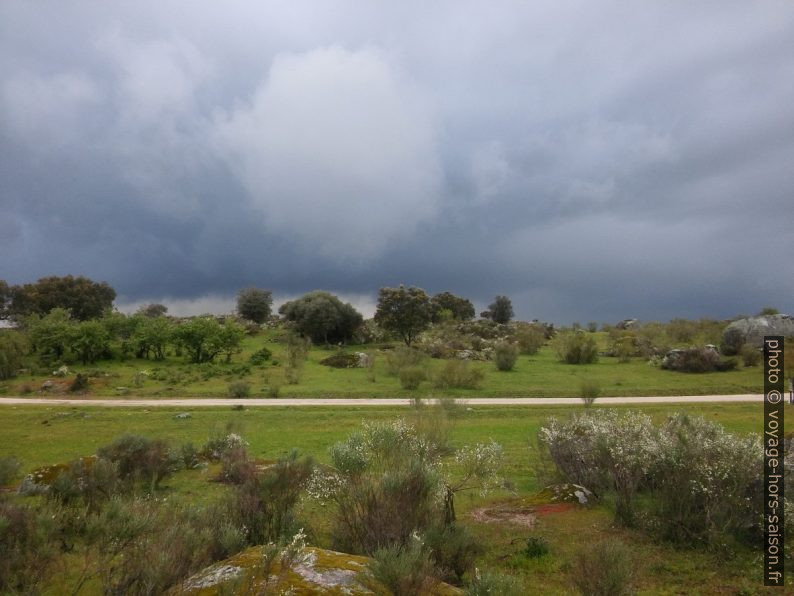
[
  {"x": 364, "y": 360},
  {"x": 183, "y": 416},
  {"x": 46, "y": 385},
  {"x": 61, "y": 372},
  {"x": 569, "y": 493},
  {"x": 626, "y": 324}
]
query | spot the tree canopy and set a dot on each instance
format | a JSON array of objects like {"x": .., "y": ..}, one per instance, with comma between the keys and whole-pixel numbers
[
  {"x": 404, "y": 311},
  {"x": 254, "y": 304},
  {"x": 322, "y": 317},
  {"x": 83, "y": 298},
  {"x": 500, "y": 310},
  {"x": 459, "y": 308}
]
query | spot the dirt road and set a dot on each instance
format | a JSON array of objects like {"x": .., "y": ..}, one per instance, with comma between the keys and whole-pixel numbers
[{"x": 346, "y": 402}]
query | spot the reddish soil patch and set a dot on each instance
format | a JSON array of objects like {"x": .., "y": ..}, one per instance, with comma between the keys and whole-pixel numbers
[{"x": 553, "y": 508}]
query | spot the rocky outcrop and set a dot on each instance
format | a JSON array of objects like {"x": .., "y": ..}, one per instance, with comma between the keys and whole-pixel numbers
[
  {"x": 753, "y": 329},
  {"x": 318, "y": 571}
]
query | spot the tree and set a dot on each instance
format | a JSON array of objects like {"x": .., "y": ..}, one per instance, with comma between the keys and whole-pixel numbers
[
  {"x": 50, "y": 335},
  {"x": 89, "y": 341},
  {"x": 83, "y": 298},
  {"x": 322, "y": 317},
  {"x": 151, "y": 336},
  {"x": 460, "y": 308},
  {"x": 5, "y": 299},
  {"x": 13, "y": 348},
  {"x": 203, "y": 338},
  {"x": 254, "y": 304},
  {"x": 499, "y": 311},
  {"x": 404, "y": 311},
  {"x": 153, "y": 310}
]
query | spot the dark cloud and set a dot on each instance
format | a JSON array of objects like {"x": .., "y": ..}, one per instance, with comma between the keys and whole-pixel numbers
[{"x": 591, "y": 160}]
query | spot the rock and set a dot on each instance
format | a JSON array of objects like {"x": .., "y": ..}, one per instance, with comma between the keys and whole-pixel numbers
[
  {"x": 183, "y": 416},
  {"x": 46, "y": 385},
  {"x": 753, "y": 329},
  {"x": 318, "y": 571},
  {"x": 569, "y": 493},
  {"x": 61, "y": 372},
  {"x": 626, "y": 324},
  {"x": 364, "y": 360}
]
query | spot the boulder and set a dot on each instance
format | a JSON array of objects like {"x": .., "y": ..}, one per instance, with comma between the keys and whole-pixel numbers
[
  {"x": 753, "y": 329},
  {"x": 317, "y": 571}
]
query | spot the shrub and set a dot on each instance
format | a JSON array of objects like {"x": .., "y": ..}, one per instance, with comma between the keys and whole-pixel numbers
[
  {"x": 404, "y": 357},
  {"x": 88, "y": 481},
  {"x": 732, "y": 341},
  {"x": 454, "y": 550},
  {"x": 27, "y": 546},
  {"x": 457, "y": 374},
  {"x": 13, "y": 348},
  {"x": 505, "y": 355},
  {"x": 239, "y": 389},
  {"x": 412, "y": 376},
  {"x": 9, "y": 469},
  {"x": 407, "y": 569},
  {"x": 575, "y": 347},
  {"x": 190, "y": 456},
  {"x": 260, "y": 356},
  {"x": 236, "y": 467},
  {"x": 750, "y": 356},
  {"x": 140, "y": 459},
  {"x": 604, "y": 451},
  {"x": 264, "y": 503},
  {"x": 220, "y": 443},
  {"x": 536, "y": 547},
  {"x": 706, "y": 482},
  {"x": 603, "y": 569},
  {"x": 491, "y": 583},
  {"x": 341, "y": 360},
  {"x": 297, "y": 350},
  {"x": 530, "y": 338},
  {"x": 589, "y": 391},
  {"x": 79, "y": 383}
]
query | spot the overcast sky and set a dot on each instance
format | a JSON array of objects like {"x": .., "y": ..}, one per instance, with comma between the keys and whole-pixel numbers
[{"x": 591, "y": 160}]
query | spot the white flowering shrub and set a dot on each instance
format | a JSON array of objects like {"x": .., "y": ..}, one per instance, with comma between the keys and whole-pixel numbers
[
  {"x": 703, "y": 482},
  {"x": 707, "y": 482}
]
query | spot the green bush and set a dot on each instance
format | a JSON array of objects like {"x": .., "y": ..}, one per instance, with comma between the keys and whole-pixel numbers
[
  {"x": 454, "y": 550},
  {"x": 27, "y": 544},
  {"x": 239, "y": 389},
  {"x": 490, "y": 583},
  {"x": 403, "y": 357},
  {"x": 750, "y": 356},
  {"x": 603, "y": 569},
  {"x": 406, "y": 570},
  {"x": 536, "y": 547},
  {"x": 589, "y": 391},
  {"x": 530, "y": 338},
  {"x": 261, "y": 356},
  {"x": 505, "y": 355},
  {"x": 411, "y": 377},
  {"x": 9, "y": 469},
  {"x": 575, "y": 347},
  {"x": 732, "y": 341},
  {"x": 140, "y": 459},
  {"x": 457, "y": 374},
  {"x": 13, "y": 348}
]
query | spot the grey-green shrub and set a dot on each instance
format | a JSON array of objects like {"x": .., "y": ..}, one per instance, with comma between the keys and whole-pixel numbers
[
  {"x": 457, "y": 374},
  {"x": 404, "y": 569},
  {"x": 530, "y": 338},
  {"x": 489, "y": 583},
  {"x": 505, "y": 355},
  {"x": 239, "y": 389},
  {"x": 603, "y": 569},
  {"x": 412, "y": 376},
  {"x": 589, "y": 391},
  {"x": 403, "y": 357},
  {"x": 454, "y": 550},
  {"x": 9, "y": 469},
  {"x": 750, "y": 356},
  {"x": 575, "y": 347}
]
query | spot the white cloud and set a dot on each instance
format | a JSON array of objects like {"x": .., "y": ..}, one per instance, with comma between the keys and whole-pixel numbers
[{"x": 336, "y": 152}]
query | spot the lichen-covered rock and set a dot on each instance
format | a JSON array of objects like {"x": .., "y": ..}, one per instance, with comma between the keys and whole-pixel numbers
[
  {"x": 755, "y": 328},
  {"x": 318, "y": 572}
]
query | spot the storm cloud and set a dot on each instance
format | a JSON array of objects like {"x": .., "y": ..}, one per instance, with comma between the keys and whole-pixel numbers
[{"x": 593, "y": 161}]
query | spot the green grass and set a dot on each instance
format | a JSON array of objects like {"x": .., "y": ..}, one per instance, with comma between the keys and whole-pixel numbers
[
  {"x": 41, "y": 435},
  {"x": 540, "y": 375}
]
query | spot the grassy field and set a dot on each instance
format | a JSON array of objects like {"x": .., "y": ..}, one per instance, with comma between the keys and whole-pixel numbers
[
  {"x": 540, "y": 375},
  {"x": 43, "y": 435}
]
